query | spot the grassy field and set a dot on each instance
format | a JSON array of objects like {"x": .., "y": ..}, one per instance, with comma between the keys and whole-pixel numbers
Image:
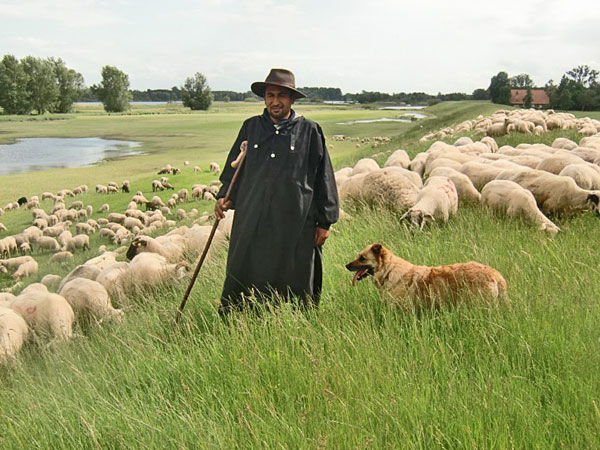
[{"x": 354, "y": 374}]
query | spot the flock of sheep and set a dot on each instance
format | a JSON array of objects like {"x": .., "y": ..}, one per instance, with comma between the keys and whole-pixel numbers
[
  {"x": 530, "y": 181},
  {"x": 50, "y": 308},
  {"x": 527, "y": 121}
]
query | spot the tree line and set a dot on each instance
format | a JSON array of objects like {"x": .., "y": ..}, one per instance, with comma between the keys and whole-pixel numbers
[
  {"x": 48, "y": 85},
  {"x": 578, "y": 89}
]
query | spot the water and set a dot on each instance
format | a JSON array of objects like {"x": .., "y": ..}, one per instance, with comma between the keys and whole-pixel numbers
[
  {"x": 404, "y": 118},
  {"x": 403, "y": 107},
  {"x": 35, "y": 154}
]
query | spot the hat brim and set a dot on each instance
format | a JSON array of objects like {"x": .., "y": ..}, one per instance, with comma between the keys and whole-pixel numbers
[{"x": 258, "y": 87}]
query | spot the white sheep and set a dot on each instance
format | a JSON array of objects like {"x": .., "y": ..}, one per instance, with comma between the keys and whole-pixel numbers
[
  {"x": 214, "y": 167},
  {"x": 418, "y": 163},
  {"x": 51, "y": 281},
  {"x": 45, "y": 312},
  {"x": 587, "y": 176},
  {"x": 464, "y": 186},
  {"x": 557, "y": 162},
  {"x": 437, "y": 201},
  {"x": 398, "y": 158},
  {"x": 365, "y": 165},
  {"x": 47, "y": 243},
  {"x": 13, "y": 333},
  {"x": 479, "y": 173},
  {"x": 61, "y": 257},
  {"x": 25, "y": 270},
  {"x": 105, "y": 208},
  {"x": 90, "y": 297},
  {"x": 554, "y": 194},
  {"x": 80, "y": 241},
  {"x": 516, "y": 201}
]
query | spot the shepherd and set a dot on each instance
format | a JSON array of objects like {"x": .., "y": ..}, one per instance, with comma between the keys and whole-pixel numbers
[{"x": 285, "y": 200}]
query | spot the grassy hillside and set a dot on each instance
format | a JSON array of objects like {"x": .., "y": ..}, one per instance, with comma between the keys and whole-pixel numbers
[{"x": 354, "y": 374}]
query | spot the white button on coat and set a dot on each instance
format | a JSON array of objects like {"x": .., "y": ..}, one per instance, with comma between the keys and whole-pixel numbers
[
  {"x": 277, "y": 132},
  {"x": 272, "y": 155},
  {"x": 255, "y": 145}
]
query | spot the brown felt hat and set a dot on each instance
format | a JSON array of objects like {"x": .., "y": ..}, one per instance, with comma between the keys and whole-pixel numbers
[{"x": 277, "y": 77}]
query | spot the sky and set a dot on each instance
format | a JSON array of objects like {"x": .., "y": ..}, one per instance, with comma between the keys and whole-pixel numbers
[{"x": 373, "y": 45}]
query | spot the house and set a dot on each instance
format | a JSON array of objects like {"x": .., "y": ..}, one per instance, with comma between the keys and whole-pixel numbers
[{"x": 539, "y": 98}]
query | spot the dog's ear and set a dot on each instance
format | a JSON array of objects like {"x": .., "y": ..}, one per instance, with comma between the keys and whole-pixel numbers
[{"x": 376, "y": 249}]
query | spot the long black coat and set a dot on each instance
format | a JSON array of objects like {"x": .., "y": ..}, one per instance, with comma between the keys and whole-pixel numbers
[{"x": 285, "y": 189}]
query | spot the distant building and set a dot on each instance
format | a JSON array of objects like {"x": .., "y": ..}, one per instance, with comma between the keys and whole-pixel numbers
[{"x": 539, "y": 98}]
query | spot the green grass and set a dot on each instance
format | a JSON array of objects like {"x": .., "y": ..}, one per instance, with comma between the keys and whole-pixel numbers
[{"x": 354, "y": 374}]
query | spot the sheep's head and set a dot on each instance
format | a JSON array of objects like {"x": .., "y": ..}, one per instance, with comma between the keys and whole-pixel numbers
[
  {"x": 593, "y": 200},
  {"x": 417, "y": 218},
  {"x": 138, "y": 245}
]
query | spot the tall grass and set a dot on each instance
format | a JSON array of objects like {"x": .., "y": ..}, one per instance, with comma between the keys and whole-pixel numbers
[{"x": 355, "y": 373}]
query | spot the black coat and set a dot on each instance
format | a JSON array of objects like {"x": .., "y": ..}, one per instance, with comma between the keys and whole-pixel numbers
[{"x": 285, "y": 189}]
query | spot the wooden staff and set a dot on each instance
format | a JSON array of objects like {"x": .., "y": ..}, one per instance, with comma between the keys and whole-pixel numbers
[{"x": 237, "y": 165}]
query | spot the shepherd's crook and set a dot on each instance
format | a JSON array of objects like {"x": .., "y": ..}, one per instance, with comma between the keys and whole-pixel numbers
[{"x": 237, "y": 165}]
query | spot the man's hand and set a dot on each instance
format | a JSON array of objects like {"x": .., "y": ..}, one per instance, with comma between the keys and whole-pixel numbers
[
  {"x": 221, "y": 207},
  {"x": 321, "y": 236}
]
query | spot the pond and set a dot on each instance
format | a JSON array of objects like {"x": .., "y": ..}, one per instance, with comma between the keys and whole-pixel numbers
[
  {"x": 35, "y": 154},
  {"x": 404, "y": 118}
]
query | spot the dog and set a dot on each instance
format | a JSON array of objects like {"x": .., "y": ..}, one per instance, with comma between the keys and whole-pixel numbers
[{"x": 424, "y": 286}]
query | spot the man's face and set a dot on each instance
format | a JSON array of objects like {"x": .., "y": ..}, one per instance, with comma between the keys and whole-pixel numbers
[{"x": 279, "y": 101}]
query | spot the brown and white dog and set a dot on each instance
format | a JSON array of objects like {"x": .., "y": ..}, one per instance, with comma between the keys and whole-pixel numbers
[{"x": 424, "y": 285}]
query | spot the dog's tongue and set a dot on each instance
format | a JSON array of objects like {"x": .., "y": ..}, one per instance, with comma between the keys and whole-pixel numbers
[{"x": 357, "y": 275}]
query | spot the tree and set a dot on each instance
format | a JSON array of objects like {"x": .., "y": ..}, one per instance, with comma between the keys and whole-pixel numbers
[
  {"x": 195, "y": 93},
  {"x": 521, "y": 81},
  {"x": 480, "y": 94},
  {"x": 70, "y": 86},
  {"x": 500, "y": 88},
  {"x": 584, "y": 75},
  {"x": 113, "y": 91},
  {"x": 41, "y": 83},
  {"x": 528, "y": 99},
  {"x": 13, "y": 87}
]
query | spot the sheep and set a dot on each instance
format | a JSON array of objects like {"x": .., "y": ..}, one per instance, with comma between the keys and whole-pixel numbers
[
  {"x": 167, "y": 186},
  {"x": 554, "y": 194},
  {"x": 437, "y": 201},
  {"x": 479, "y": 173},
  {"x": 131, "y": 222},
  {"x": 171, "y": 203},
  {"x": 47, "y": 243},
  {"x": 197, "y": 169},
  {"x": 81, "y": 271},
  {"x": 587, "y": 176},
  {"x": 215, "y": 168},
  {"x": 149, "y": 269},
  {"x": 3, "y": 227},
  {"x": 113, "y": 190},
  {"x": 80, "y": 241},
  {"x": 51, "y": 281},
  {"x": 557, "y": 162},
  {"x": 418, "y": 163},
  {"x": 490, "y": 142},
  {"x": 105, "y": 208},
  {"x": 45, "y": 312},
  {"x": 464, "y": 187},
  {"x": 156, "y": 202},
  {"x": 498, "y": 129},
  {"x": 181, "y": 214},
  {"x": 64, "y": 237},
  {"x": 125, "y": 186},
  {"x": 186, "y": 163},
  {"x": 90, "y": 297},
  {"x": 25, "y": 270},
  {"x": 13, "y": 333},
  {"x": 365, "y": 165},
  {"x": 139, "y": 199},
  {"x": 116, "y": 218},
  {"x": 176, "y": 171},
  {"x": 182, "y": 195},
  {"x": 48, "y": 195},
  {"x": 76, "y": 205},
  {"x": 515, "y": 201},
  {"x": 25, "y": 247},
  {"x": 84, "y": 228},
  {"x": 101, "y": 189},
  {"x": 157, "y": 186},
  {"x": 463, "y": 141},
  {"x": 61, "y": 257},
  {"x": 398, "y": 158}
]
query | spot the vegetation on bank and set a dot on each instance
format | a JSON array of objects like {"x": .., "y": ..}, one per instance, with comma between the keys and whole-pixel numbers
[{"x": 354, "y": 374}]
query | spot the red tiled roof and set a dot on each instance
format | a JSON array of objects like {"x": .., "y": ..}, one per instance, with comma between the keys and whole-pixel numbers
[{"x": 538, "y": 97}]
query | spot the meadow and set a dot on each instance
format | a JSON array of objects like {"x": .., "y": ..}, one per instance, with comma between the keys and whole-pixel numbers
[{"x": 356, "y": 373}]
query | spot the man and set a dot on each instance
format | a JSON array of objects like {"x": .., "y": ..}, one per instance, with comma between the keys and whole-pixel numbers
[{"x": 285, "y": 200}]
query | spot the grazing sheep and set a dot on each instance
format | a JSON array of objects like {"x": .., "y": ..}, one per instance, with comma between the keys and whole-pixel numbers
[
  {"x": 418, "y": 163},
  {"x": 3, "y": 227},
  {"x": 554, "y": 194},
  {"x": 480, "y": 174},
  {"x": 116, "y": 218},
  {"x": 186, "y": 163},
  {"x": 587, "y": 176},
  {"x": 105, "y": 208},
  {"x": 51, "y": 281},
  {"x": 181, "y": 214},
  {"x": 113, "y": 190},
  {"x": 100, "y": 189},
  {"x": 76, "y": 205},
  {"x": 464, "y": 186},
  {"x": 25, "y": 270},
  {"x": 84, "y": 228},
  {"x": 365, "y": 165},
  {"x": 80, "y": 241},
  {"x": 45, "y": 312},
  {"x": 125, "y": 186},
  {"x": 47, "y": 243},
  {"x": 61, "y": 257},
  {"x": 157, "y": 186},
  {"x": 490, "y": 142},
  {"x": 498, "y": 129},
  {"x": 64, "y": 237},
  {"x": 437, "y": 201},
  {"x": 182, "y": 195},
  {"x": 167, "y": 186},
  {"x": 175, "y": 171},
  {"x": 398, "y": 158},
  {"x": 48, "y": 195},
  {"x": 197, "y": 169},
  {"x": 557, "y": 162},
  {"x": 90, "y": 297},
  {"x": 13, "y": 333},
  {"x": 150, "y": 269},
  {"x": 215, "y": 168},
  {"x": 516, "y": 201},
  {"x": 157, "y": 202},
  {"x": 25, "y": 247}
]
